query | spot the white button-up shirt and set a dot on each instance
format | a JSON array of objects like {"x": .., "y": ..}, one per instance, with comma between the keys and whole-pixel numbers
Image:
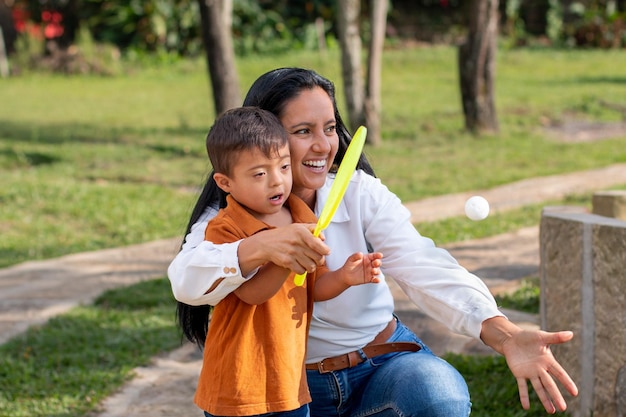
[{"x": 369, "y": 219}]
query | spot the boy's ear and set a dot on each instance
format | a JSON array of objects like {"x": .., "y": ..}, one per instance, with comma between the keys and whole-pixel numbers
[{"x": 222, "y": 181}]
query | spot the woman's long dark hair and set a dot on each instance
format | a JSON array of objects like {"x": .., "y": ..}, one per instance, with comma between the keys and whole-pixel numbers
[{"x": 271, "y": 91}]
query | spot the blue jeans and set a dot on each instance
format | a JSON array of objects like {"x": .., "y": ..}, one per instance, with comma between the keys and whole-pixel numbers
[
  {"x": 399, "y": 384},
  {"x": 300, "y": 412}
]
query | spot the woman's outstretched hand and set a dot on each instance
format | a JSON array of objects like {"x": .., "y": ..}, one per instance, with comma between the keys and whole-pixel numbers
[
  {"x": 292, "y": 247},
  {"x": 529, "y": 358}
]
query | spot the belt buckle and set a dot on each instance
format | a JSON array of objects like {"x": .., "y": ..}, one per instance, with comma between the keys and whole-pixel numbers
[{"x": 320, "y": 367}]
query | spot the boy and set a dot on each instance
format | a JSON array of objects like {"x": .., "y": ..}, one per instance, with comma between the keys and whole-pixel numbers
[{"x": 255, "y": 347}]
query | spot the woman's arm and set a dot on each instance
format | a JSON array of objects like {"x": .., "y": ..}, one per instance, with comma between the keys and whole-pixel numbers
[
  {"x": 204, "y": 273},
  {"x": 429, "y": 275},
  {"x": 200, "y": 265},
  {"x": 432, "y": 278}
]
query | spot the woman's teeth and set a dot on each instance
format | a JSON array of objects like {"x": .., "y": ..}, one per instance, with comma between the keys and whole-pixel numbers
[{"x": 315, "y": 164}]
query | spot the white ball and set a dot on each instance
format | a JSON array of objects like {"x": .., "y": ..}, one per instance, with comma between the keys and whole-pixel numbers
[{"x": 476, "y": 208}]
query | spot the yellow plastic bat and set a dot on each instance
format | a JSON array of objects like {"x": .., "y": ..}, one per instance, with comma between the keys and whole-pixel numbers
[{"x": 338, "y": 189}]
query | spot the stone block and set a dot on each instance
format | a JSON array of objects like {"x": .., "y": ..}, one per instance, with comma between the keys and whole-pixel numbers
[
  {"x": 610, "y": 203},
  {"x": 583, "y": 289}
]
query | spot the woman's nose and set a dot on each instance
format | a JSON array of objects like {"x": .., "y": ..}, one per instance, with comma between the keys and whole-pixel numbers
[{"x": 321, "y": 143}]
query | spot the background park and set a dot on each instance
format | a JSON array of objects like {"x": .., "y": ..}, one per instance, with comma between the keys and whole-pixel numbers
[{"x": 102, "y": 145}]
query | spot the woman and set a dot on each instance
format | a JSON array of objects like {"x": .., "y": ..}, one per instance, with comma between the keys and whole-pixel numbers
[{"x": 346, "y": 375}]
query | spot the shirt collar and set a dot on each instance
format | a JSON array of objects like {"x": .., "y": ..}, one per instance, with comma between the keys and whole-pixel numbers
[
  {"x": 341, "y": 215},
  {"x": 246, "y": 221},
  {"x": 300, "y": 213}
]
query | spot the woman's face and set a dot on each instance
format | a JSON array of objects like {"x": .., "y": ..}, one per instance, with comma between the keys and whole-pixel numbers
[{"x": 310, "y": 121}]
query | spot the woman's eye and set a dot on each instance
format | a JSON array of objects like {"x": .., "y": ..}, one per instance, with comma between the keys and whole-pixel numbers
[
  {"x": 301, "y": 131},
  {"x": 331, "y": 129}
]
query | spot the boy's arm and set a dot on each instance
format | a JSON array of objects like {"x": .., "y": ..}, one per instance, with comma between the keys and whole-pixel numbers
[
  {"x": 358, "y": 269},
  {"x": 263, "y": 285}
]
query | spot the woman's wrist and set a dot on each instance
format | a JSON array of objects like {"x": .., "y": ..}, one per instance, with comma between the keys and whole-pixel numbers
[
  {"x": 251, "y": 254},
  {"x": 496, "y": 331}
]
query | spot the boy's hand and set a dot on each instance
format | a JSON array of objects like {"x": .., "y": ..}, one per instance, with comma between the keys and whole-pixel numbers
[{"x": 362, "y": 268}]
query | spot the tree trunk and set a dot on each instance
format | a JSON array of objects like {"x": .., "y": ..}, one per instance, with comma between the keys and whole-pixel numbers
[
  {"x": 4, "y": 60},
  {"x": 7, "y": 27},
  {"x": 373, "y": 103},
  {"x": 216, "y": 16},
  {"x": 477, "y": 67},
  {"x": 350, "y": 43}
]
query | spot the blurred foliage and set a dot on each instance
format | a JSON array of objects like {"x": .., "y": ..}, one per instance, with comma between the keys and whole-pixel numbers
[
  {"x": 174, "y": 25},
  {"x": 170, "y": 25},
  {"x": 572, "y": 23},
  {"x": 596, "y": 24},
  {"x": 169, "y": 29}
]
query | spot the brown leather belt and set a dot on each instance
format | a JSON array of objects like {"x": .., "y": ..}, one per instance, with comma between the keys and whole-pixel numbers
[{"x": 375, "y": 348}]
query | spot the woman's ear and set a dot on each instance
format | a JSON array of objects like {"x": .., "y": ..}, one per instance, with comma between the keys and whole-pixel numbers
[{"x": 222, "y": 181}]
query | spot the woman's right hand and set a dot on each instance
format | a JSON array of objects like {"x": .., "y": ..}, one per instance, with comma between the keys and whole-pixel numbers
[{"x": 292, "y": 247}]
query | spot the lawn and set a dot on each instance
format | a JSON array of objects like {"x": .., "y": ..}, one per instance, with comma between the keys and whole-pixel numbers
[{"x": 92, "y": 162}]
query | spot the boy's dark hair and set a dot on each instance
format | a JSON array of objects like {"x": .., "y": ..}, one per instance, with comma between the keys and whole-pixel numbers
[{"x": 241, "y": 129}]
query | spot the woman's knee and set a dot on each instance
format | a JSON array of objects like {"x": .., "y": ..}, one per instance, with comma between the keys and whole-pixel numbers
[{"x": 419, "y": 384}]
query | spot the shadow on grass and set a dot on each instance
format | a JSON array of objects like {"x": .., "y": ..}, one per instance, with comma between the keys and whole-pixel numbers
[
  {"x": 14, "y": 159},
  {"x": 56, "y": 133},
  {"x": 598, "y": 80}
]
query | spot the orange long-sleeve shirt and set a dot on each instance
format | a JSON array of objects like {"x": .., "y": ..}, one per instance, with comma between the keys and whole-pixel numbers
[{"x": 254, "y": 354}]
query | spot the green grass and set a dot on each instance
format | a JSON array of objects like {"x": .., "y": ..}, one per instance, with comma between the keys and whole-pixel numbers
[
  {"x": 93, "y": 162},
  {"x": 525, "y": 298},
  {"x": 67, "y": 366},
  {"x": 492, "y": 387}
]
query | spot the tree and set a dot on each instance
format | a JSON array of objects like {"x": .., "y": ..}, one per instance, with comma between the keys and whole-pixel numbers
[
  {"x": 477, "y": 67},
  {"x": 216, "y": 20},
  {"x": 363, "y": 102},
  {"x": 373, "y": 102},
  {"x": 349, "y": 35},
  {"x": 7, "y": 38}
]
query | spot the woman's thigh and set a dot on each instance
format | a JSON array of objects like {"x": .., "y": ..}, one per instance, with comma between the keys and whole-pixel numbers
[
  {"x": 398, "y": 385},
  {"x": 413, "y": 384}
]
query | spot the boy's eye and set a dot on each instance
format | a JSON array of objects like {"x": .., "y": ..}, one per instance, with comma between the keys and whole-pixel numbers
[
  {"x": 286, "y": 167},
  {"x": 259, "y": 174}
]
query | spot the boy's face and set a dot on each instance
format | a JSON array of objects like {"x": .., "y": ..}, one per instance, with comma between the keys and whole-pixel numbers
[{"x": 260, "y": 183}]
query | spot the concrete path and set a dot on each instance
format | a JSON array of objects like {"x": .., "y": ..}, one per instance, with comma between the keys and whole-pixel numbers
[{"x": 32, "y": 292}]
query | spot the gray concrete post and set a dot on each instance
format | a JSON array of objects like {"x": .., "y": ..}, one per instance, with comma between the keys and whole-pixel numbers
[{"x": 583, "y": 289}]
